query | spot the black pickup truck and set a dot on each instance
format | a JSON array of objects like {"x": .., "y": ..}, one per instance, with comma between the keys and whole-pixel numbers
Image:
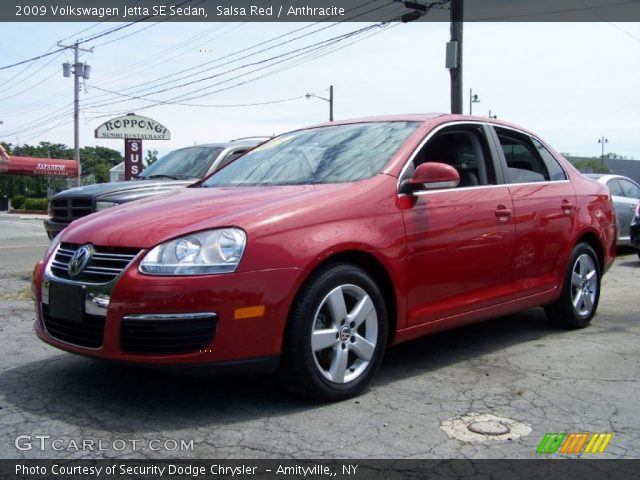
[{"x": 178, "y": 168}]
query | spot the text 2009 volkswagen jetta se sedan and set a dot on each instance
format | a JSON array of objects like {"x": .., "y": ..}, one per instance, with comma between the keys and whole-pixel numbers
[{"x": 318, "y": 249}]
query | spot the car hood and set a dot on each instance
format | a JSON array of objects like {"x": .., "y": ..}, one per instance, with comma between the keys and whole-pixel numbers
[
  {"x": 146, "y": 223},
  {"x": 123, "y": 191}
]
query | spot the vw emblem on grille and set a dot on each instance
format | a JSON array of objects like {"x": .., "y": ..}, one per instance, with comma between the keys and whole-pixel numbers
[{"x": 79, "y": 260}]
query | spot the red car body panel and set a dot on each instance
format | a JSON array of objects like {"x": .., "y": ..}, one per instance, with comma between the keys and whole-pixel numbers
[{"x": 451, "y": 256}]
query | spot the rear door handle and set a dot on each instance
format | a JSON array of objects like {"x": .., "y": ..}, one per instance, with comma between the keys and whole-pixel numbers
[
  {"x": 567, "y": 206},
  {"x": 503, "y": 213}
]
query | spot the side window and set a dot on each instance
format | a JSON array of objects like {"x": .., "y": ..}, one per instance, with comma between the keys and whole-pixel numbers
[
  {"x": 524, "y": 163},
  {"x": 615, "y": 188},
  {"x": 630, "y": 189},
  {"x": 230, "y": 158},
  {"x": 553, "y": 167},
  {"x": 465, "y": 149}
]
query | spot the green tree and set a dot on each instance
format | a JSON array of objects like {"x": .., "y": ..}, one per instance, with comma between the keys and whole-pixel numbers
[
  {"x": 588, "y": 165},
  {"x": 97, "y": 161},
  {"x": 152, "y": 156}
]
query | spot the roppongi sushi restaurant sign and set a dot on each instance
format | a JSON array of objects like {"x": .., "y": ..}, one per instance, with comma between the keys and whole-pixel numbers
[
  {"x": 133, "y": 129},
  {"x": 133, "y": 126}
]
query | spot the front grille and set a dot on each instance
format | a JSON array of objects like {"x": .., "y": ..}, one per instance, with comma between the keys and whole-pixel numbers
[
  {"x": 67, "y": 210},
  {"x": 105, "y": 265},
  {"x": 166, "y": 336},
  {"x": 87, "y": 333}
]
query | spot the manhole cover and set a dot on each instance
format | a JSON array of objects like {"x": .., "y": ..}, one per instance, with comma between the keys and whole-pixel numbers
[
  {"x": 476, "y": 427},
  {"x": 490, "y": 427}
]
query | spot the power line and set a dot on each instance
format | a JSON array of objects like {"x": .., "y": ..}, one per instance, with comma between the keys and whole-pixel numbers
[
  {"x": 276, "y": 59},
  {"x": 228, "y": 105},
  {"x": 293, "y": 57},
  {"x": 137, "y": 91}
]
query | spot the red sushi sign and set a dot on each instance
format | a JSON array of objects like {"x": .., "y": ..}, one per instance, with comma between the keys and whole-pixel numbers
[{"x": 53, "y": 167}]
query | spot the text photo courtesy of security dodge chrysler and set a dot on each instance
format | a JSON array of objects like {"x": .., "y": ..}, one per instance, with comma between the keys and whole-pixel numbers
[{"x": 318, "y": 249}]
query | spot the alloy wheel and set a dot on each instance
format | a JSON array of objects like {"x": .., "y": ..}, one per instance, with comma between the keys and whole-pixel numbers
[{"x": 344, "y": 334}]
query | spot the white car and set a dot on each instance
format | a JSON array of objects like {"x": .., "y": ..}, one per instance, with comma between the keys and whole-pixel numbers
[{"x": 626, "y": 194}]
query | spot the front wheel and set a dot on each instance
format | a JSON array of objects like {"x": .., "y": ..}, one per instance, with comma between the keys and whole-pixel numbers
[
  {"x": 336, "y": 335},
  {"x": 580, "y": 292}
]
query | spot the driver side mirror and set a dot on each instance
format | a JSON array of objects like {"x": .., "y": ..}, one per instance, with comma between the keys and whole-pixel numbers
[{"x": 432, "y": 176}]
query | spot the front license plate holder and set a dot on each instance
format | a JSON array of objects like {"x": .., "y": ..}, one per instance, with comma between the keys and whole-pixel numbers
[{"x": 66, "y": 301}]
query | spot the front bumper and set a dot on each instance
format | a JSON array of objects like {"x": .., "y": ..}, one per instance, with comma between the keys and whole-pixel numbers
[
  {"x": 53, "y": 227},
  {"x": 218, "y": 301}
]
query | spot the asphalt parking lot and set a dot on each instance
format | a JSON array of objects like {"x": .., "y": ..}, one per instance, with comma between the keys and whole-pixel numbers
[{"x": 57, "y": 405}]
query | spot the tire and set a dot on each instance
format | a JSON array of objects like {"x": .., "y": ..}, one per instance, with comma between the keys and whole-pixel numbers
[
  {"x": 580, "y": 292},
  {"x": 336, "y": 334}
]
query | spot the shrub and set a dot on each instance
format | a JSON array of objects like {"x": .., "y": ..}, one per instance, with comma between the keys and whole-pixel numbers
[
  {"x": 17, "y": 202},
  {"x": 35, "y": 204}
]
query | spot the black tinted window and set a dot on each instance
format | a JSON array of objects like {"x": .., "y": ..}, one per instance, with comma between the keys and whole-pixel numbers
[
  {"x": 524, "y": 163},
  {"x": 465, "y": 149},
  {"x": 555, "y": 170}
]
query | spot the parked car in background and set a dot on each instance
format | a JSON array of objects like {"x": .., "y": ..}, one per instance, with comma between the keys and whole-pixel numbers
[
  {"x": 634, "y": 230},
  {"x": 176, "y": 169},
  {"x": 626, "y": 195},
  {"x": 316, "y": 250}
]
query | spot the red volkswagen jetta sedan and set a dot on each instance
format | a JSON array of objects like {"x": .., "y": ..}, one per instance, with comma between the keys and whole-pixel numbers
[{"x": 314, "y": 252}]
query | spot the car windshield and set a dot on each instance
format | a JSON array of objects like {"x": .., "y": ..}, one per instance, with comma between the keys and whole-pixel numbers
[
  {"x": 191, "y": 162},
  {"x": 331, "y": 154}
]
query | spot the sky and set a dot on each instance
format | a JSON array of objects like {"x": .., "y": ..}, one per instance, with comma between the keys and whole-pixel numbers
[{"x": 571, "y": 83}]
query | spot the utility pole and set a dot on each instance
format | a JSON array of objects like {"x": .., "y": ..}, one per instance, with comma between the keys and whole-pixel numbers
[
  {"x": 79, "y": 70},
  {"x": 454, "y": 55}
]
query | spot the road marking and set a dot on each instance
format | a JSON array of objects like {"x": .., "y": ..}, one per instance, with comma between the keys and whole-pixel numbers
[
  {"x": 24, "y": 246},
  {"x": 21, "y": 224}
]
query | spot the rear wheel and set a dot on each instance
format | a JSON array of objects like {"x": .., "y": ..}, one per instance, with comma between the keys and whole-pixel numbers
[
  {"x": 336, "y": 335},
  {"x": 581, "y": 290}
]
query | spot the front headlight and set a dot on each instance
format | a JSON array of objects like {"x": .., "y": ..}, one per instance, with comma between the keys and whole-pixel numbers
[
  {"x": 211, "y": 251},
  {"x": 100, "y": 205}
]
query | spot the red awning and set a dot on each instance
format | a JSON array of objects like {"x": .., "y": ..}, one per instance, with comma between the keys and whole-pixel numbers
[{"x": 54, "y": 167}]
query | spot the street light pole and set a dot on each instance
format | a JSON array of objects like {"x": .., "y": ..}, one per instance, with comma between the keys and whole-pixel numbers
[
  {"x": 331, "y": 103},
  {"x": 472, "y": 99},
  {"x": 603, "y": 140},
  {"x": 330, "y": 100}
]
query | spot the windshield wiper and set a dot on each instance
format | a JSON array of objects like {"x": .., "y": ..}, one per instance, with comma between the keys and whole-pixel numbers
[{"x": 162, "y": 175}]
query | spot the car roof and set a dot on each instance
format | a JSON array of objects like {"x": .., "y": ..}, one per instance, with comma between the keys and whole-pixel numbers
[
  {"x": 242, "y": 142},
  {"x": 605, "y": 177},
  {"x": 431, "y": 118}
]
